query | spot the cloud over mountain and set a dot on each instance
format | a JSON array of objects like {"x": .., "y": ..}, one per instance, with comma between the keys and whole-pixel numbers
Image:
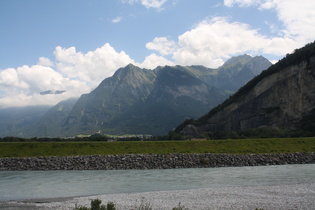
[
  {"x": 74, "y": 72},
  {"x": 210, "y": 41}
]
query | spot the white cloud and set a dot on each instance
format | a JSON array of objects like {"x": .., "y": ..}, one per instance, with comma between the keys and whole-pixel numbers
[
  {"x": 267, "y": 4},
  {"x": 9, "y": 79},
  {"x": 75, "y": 73},
  {"x": 297, "y": 16},
  {"x": 153, "y": 60},
  {"x": 153, "y": 3},
  {"x": 22, "y": 86},
  {"x": 117, "y": 19},
  {"x": 42, "y": 61},
  {"x": 209, "y": 43},
  {"x": 91, "y": 67},
  {"x": 41, "y": 78},
  {"x": 213, "y": 40},
  {"x": 162, "y": 45}
]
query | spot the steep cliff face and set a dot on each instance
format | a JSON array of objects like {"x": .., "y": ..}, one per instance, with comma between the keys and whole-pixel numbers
[{"x": 279, "y": 99}]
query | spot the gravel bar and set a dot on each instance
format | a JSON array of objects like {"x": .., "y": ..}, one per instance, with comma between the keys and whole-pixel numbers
[{"x": 295, "y": 196}]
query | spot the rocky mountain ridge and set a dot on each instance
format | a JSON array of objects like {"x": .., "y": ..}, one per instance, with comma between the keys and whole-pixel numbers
[
  {"x": 282, "y": 96},
  {"x": 142, "y": 101}
]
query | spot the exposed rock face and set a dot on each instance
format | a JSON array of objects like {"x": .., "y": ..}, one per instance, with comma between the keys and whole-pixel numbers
[{"x": 280, "y": 99}]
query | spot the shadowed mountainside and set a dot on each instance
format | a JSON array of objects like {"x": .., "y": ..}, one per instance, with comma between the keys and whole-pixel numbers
[{"x": 281, "y": 97}]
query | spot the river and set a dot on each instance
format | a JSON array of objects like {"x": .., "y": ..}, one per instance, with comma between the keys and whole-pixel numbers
[{"x": 17, "y": 185}]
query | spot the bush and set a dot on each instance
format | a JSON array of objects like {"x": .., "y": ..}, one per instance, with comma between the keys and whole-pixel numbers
[
  {"x": 110, "y": 206},
  {"x": 203, "y": 161},
  {"x": 180, "y": 207},
  {"x": 96, "y": 205}
]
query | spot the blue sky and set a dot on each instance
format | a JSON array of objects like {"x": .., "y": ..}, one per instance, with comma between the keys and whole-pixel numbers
[{"x": 72, "y": 45}]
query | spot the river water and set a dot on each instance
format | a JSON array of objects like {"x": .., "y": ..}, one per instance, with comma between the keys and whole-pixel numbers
[{"x": 17, "y": 185}]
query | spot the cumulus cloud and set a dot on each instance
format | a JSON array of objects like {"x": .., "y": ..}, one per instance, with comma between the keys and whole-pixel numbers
[
  {"x": 162, "y": 45},
  {"x": 208, "y": 43},
  {"x": 9, "y": 79},
  {"x": 73, "y": 74},
  {"x": 22, "y": 86},
  {"x": 153, "y": 60},
  {"x": 42, "y": 61},
  {"x": 213, "y": 40},
  {"x": 153, "y": 3},
  {"x": 91, "y": 67},
  {"x": 298, "y": 17}
]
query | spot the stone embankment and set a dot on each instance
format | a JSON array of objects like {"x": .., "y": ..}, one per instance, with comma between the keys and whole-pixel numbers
[{"x": 114, "y": 162}]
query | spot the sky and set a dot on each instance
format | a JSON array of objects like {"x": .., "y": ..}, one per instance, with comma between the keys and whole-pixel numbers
[{"x": 54, "y": 50}]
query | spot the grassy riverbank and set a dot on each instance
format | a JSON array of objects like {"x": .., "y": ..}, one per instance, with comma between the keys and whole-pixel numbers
[{"x": 243, "y": 146}]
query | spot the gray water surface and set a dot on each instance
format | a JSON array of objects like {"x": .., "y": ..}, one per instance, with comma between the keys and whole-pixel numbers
[{"x": 17, "y": 185}]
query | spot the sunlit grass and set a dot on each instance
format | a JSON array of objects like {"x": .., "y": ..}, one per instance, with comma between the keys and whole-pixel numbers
[{"x": 243, "y": 146}]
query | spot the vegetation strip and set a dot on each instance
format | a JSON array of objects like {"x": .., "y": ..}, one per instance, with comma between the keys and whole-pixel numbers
[{"x": 243, "y": 146}]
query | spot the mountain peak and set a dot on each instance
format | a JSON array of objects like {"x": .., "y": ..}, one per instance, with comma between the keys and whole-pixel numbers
[
  {"x": 127, "y": 71},
  {"x": 237, "y": 59},
  {"x": 130, "y": 66}
]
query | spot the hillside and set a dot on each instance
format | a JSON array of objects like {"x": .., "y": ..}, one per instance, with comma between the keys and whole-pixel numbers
[
  {"x": 50, "y": 123},
  {"x": 283, "y": 96},
  {"x": 15, "y": 121}
]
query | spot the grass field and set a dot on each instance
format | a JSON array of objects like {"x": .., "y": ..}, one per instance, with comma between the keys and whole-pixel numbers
[{"x": 243, "y": 146}]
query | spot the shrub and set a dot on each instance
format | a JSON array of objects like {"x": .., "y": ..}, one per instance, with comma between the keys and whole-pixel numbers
[
  {"x": 203, "y": 161},
  {"x": 180, "y": 207},
  {"x": 96, "y": 205},
  {"x": 110, "y": 206},
  {"x": 81, "y": 208}
]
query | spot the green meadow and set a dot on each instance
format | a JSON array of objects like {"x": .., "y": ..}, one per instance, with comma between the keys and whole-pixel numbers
[{"x": 239, "y": 146}]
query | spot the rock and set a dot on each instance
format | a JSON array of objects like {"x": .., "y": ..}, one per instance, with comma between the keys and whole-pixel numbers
[{"x": 115, "y": 162}]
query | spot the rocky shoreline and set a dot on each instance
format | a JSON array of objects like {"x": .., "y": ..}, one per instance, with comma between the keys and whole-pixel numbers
[{"x": 167, "y": 161}]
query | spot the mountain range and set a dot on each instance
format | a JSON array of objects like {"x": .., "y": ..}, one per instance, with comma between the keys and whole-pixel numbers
[
  {"x": 281, "y": 97},
  {"x": 142, "y": 101}
]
